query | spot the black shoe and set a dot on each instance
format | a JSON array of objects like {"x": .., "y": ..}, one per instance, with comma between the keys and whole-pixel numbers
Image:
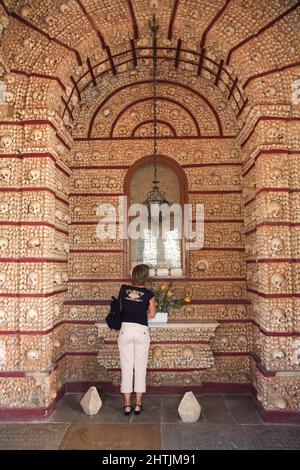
[
  {"x": 127, "y": 413},
  {"x": 137, "y": 412}
]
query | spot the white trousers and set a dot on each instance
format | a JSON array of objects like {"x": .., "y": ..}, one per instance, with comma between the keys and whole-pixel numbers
[{"x": 133, "y": 342}]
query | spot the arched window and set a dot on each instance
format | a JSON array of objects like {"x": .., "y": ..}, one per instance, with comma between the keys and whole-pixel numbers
[{"x": 162, "y": 250}]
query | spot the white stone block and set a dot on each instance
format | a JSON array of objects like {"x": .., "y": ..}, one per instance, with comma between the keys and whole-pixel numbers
[
  {"x": 91, "y": 402},
  {"x": 189, "y": 408}
]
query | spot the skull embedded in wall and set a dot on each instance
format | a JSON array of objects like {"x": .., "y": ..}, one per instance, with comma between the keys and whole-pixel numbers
[
  {"x": 58, "y": 214},
  {"x": 4, "y": 208},
  {"x": 76, "y": 267},
  {"x": 188, "y": 353},
  {"x": 32, "y": 278},
  {"x": 36, "y": 135},
  {"x": 73, "y": 312},
  {"x": 66, "y": 247},
  {"x": 274, "y": 209},
  {"x": 275, "y": 173},
  {"x": 73, "y": 338},
  {"x": 236, "y": 236},
  {"x": 279, "y": 403},
  {"x": 77, "y": 210},
  {"x": 6, "y": 141},
  {"x": 95, "y": 267},
  {"x": 295, "y": 359},
  {"x": 276, "y": 245},
  {"x": 56, "y": 310},
  {"x": 5, "y": 174},
  {"x": 34, "y": 207},
  {"x": 2, "y": 316},
  {"x": 202, "y": 266},
  {"x": 278, "y": 315},
  {"x": 157, "y": 353},
  {"x": 242, "y": 341},
  {"x": 3, "y": 243},
  {"x": 275, "y": 134},
  {"x": 33, "y": 354},
  {"x": 223, "y": 341},
  {"x": 77, "y": 239},
  {"x": 91, "y": 340},
  {"x": 31, "y": 315},
  {"x": 2, "y": 278},
  {"x": 34, "y": 175},
  {"x": 277, "y": 280},
  {"x": 57, "y": 279},
  {"x": 278, "y": 355}
]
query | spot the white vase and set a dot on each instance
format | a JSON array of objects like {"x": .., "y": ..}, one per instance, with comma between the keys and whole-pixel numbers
[{"x": 160, "y": 317}]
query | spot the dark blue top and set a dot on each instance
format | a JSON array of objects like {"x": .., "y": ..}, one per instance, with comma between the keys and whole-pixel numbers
[{"x": 135, "y": 304}]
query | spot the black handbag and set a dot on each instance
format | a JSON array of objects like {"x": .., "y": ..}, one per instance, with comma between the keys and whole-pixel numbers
[{"x": 114, "y": 317}]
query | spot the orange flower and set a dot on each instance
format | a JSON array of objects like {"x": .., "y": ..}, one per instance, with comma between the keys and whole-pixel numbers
[
  {"x": 187, "y": 299},
  {"x": 164, "y": 286}
]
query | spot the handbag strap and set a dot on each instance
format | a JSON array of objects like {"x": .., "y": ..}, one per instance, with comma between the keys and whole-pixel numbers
[{"x": 120, "y": 296}]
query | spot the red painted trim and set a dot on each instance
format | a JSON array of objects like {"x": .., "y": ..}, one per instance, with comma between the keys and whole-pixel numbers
[
  {"x": 195, "y": 279},
  {"x": 275, "y": 333},
  {"x": 220, "y": 69},
  {"x": 203, "y": 165},
  {"x": 268, "y": 118},
  {"x": 33, "y": 296},
  {"x": 67, "y": 107},
  {"x": 193, "y": 302},
  {"x": 111, "y": 60},
  {"x": 34, "y": 190},
  {"x": 92, "y": 23},
  {"x": 159, "y": 98},
  {"x": 172, "y": 19},
  {"x": 95, "y": 194},
  {"x": 108, "y": 138},
  {"x": 268, "y": 152},
  {"x": 15, "y": 15},
  {"x": 271, "y": 190},
  {"x": 39, "y": 75},
  {"x": 33, "y": 224},
  {"x": 235, "y": 191},
  {"x": 100, "y": 167},
  {"x": 134, "y": 57},
  {"x": 273, "y": 260},
  {"x": 133, "y": 20},
  {"x": 32, "y": 260},
  {"x": 177, "y": 56},
  {"x": 270, "y": 72},
  {"x": 142, "y": 82},
  {"x": 261, "y": 30},
  {"x": 160, "y": 121},
  {"x": 35, "y": 122},
  {"x": 91, "y": 71},
  {"x": 213, "y": 21},
  {"x": 272, "y": 224},
  {"x": 273, "y": 296},
  {"x": 96, "y": 251}
]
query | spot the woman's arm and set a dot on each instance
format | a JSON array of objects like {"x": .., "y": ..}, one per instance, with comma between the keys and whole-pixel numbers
[{"x": 152, "y": 308}]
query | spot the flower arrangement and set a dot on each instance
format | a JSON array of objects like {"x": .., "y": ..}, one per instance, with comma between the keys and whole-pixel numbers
[{"x": 166, "y": 298}]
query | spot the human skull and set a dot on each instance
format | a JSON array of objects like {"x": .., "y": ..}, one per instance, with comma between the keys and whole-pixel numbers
[
  {"x": 34, "y": 174},
  {"x": 277, "y": 280},
  {"x": 188, "y": 353},
  {"x": 278, "y": 354},
  {"x": 73, "y": 338},
  {"x": 77, "y": 239},
  {"x": 4, "y": 208},
  {"x": 33, "y": 243},
  {"x": 2, "y": 316},
  {"x": 275, "y": 173},
  {"x": 95, "y": 267},
  {"x": 218, "y": 237},
  {"x": 278, "y": 315},
  {"x": 32, "y": 278},
  {"x": 223, "y": 340},
  {"x": 157, "y": 352},
  {"x": 3, "y": 243},
  {"x": 242, "y": 341},
  {"x": 58, "y": 214},
  {"x": 276, "y": 244},
  {"x": 91, "y": 340},
  {"x": 275, "y": 134},
  {"x": 76, "y": 292},
  {"x": 5, "y": 173},
  {"x": 36, "y": 134},
  {"x": 2, "y": 278},
  {"x": 6, "y": 141},
  {"x": 57, "y": 279},
  {"x": 236, "y": 236},
  {"x": 77, "y": 183},
  {"x": 95, "y": 183},
  {"x": 280, "y": 403},
  {"x": 56, "y": 310},
  {"x": 66, "y": 247},
  {"x": 274, "y": 209},
  {"x": 31, "y": 315},
  {"x": 73, "y": 312},
  {"x": 77, "y": 210},
  {"x": 33, "y": 354},
  {"x": 34, "y": 207}
]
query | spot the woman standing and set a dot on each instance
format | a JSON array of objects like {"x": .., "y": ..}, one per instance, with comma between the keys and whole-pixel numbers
[{"x": 137, "y": 304}]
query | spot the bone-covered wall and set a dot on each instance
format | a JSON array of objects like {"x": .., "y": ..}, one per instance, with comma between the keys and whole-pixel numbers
[{"x": 76, "y": 117}]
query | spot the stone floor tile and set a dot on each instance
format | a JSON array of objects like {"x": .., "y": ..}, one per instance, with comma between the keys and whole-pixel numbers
[
  {"x": 201, "y": 436},
  {"x": 243, "y": 409},
  {"x": 274, "y": 436},
  {"x": 112, "y": 437},
  {"x": 46, "y": 436}
]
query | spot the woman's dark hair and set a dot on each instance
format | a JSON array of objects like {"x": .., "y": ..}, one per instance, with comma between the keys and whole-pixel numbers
[{"x": 140, "y": 275}]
